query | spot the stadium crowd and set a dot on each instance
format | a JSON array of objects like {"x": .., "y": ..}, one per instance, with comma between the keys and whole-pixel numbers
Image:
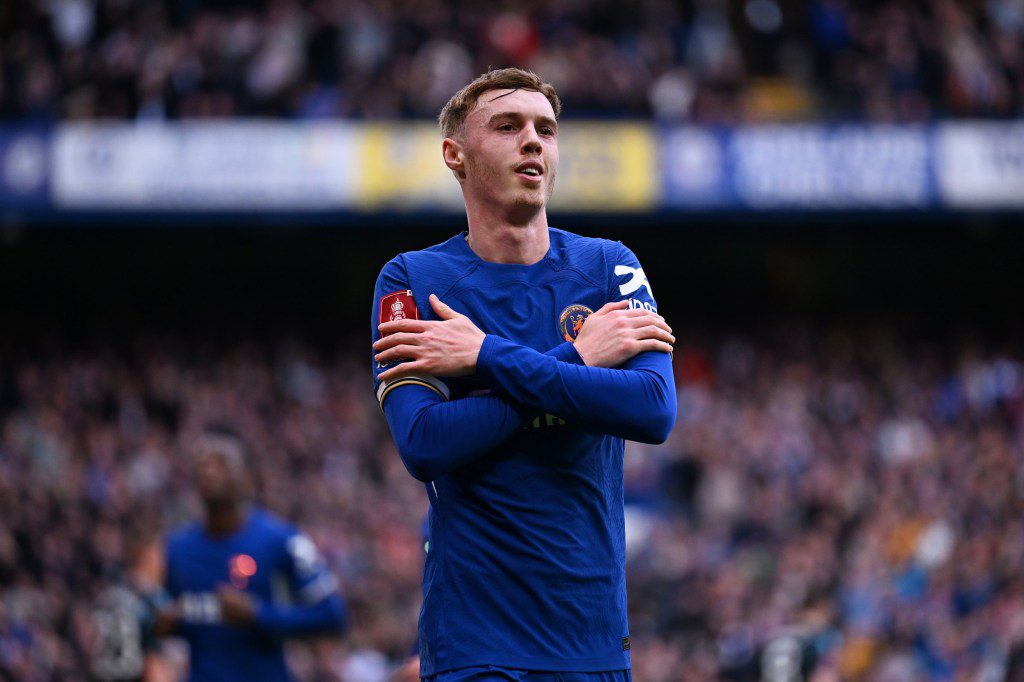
[
  {"x": 707, "y": 61},
  {"x": 829, "y": 506}
]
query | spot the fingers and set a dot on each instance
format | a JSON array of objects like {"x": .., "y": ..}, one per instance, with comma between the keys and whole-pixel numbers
[
  {"x": 400, "y": 352},
  {"x": 643, "y": 318},
  {"x": 654, "y": 345},
  {"x": 443, "y": 310},
  {"x": 392, "y": 340},
  {"x": 654, "y": 332},
  {"x": 403, "y": 326},
  {"x": 404, "y": 369},
  {"x": 643, "y": 322}
]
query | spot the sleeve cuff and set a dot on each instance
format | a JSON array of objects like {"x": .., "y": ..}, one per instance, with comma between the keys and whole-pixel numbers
[
  {"x": 567, "y": 353},
  {"x": 487, "y": 356},
  {"x": 487, "y": 363}
]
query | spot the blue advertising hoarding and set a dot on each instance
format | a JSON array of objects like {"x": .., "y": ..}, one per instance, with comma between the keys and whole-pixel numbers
[
  {"x": 797, "y": 167},
  {"x": 24, "y": 168},
  {"x": 344, "y": 168}
]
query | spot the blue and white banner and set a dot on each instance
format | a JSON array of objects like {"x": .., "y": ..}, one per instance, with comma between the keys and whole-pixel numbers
[
  {"x": 24, "y": 168},
  {"x": 205, "y": 166},
  {"x": 694, "y": 169},
  {"x": 798, "y": 167},
  {"x": 613, "y": 167},
  {"x": 981, "y": 165},
  {"x": 809, "y": 166}
]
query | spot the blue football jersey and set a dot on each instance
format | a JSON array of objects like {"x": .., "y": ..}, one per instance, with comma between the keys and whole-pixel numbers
[
  {"x": 272, "y": 561},
  {"x": 526, "y": 560}
]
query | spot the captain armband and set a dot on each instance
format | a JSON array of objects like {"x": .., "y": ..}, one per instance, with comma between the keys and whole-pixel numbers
[{"x": 430, "y": 382}]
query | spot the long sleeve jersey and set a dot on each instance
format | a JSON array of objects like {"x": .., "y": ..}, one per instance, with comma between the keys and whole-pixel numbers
[
  {"x": 280, "y": 567},
  {"x": 522, "y": 462}
]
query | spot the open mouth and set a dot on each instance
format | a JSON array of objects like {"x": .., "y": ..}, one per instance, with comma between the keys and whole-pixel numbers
[{"x": 533, "y": 170}]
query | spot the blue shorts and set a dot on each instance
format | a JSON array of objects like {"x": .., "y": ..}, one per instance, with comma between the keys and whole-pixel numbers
[{"x": 493, "y": 673}]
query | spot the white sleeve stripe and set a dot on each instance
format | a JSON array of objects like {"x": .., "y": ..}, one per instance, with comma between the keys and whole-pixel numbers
[
  {"x": 423, "y": 380},
  {"x": 318, "y": 589}
]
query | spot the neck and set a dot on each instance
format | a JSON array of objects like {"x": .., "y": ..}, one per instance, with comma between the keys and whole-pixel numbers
[
  {"x": 512, "y": 237},
  {"x": 224, "y": 517}
]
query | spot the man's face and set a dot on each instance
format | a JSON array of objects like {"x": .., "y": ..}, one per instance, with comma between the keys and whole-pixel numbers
[
  {"x": 216, "y": 481},
  {"x": 510, "y": 146}
]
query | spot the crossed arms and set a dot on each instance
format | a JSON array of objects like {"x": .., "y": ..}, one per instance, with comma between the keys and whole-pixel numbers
[{"x": 616, "y": 379}]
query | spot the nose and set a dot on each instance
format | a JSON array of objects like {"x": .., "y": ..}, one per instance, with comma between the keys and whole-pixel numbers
[{"x": 530, "y": 143}]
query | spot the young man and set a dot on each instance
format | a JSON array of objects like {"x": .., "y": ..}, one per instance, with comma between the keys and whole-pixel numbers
[
  {"x": 513, "y": 411},
  {"x": 242, "y": 580}
]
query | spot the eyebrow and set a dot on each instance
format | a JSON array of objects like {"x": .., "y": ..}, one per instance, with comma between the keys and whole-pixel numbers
[{"x": 544, "y": 120}]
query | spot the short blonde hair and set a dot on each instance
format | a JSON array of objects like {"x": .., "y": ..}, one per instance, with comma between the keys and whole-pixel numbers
[{"x": 454, "y": 113}]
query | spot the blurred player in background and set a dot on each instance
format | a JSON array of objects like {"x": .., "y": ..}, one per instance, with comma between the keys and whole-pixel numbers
[
  {"x": 514, "y": 409},
  {"x": 241, "y": 580},
  {"x": 123, "y": 615}
]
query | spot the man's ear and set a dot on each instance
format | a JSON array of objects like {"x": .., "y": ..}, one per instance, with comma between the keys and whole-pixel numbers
[{"x": 451, "y": 150}]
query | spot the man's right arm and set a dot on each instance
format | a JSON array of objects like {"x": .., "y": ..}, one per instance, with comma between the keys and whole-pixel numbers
[
  {"x": 434, "y": 434},
  {"x": 435, "y": 437}
]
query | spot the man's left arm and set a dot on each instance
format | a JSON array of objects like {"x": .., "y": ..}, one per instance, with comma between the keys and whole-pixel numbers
[
  {"x": 635, "y": 401},
  {"x": 318, "y": 607}
]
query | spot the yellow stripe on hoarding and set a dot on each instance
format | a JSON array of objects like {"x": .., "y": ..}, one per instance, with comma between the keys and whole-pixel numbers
[
  {"x": 602, "y": 167},
  {"x": 606, "y": 167},
  {"x": 400, "y": 168}
]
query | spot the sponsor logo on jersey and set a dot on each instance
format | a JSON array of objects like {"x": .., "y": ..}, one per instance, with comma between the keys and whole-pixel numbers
[
  {"x": 398, "y": 305},
  {"x": 637, "y": 279},
  {"x": 636, "y": 303},
  {"x": 200, "y": 607},
  {"x": 543, "y": 421},
  {"x": 571, "y": 320}
]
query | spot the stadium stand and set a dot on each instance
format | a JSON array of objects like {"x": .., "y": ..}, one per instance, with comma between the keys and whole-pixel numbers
[
  {"x": 854, "y": 493},
  {"x": 707, "y": 61}
]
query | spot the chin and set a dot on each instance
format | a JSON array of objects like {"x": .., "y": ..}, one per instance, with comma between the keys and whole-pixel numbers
[{"x": 536, "y": 199}]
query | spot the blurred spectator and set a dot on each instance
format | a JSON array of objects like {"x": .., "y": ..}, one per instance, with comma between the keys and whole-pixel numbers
[{"x": 703, "y": 60}]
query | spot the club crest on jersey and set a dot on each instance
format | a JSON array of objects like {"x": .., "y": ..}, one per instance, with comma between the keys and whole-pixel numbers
[
  {"x": 398, "y": 305},
  {"x": 571, "y": 320}
]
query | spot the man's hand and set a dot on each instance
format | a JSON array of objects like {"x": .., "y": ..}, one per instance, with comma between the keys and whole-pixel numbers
[
  {"x": 614, "y": 334},
  {"x": 167, "y": 620},
  {"x": 409, "y": 672},
  {"x": 236, "y": 607},
  {"x": 447, "y": 347}
]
